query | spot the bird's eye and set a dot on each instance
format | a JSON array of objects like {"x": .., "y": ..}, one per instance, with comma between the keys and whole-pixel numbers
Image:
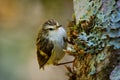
[{"x": 51, "y": 29}]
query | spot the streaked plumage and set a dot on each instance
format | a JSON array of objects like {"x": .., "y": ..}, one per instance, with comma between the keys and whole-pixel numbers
[{"x": 50, "y": 43}]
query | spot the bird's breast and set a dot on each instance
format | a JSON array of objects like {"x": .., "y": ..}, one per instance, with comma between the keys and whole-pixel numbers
[
  {"x": 59, "y": 44},
  {"x": 57, "y": 36}
]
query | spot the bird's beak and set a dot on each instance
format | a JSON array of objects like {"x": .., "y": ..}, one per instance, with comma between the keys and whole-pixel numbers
[{"x": 58, "y": 26}]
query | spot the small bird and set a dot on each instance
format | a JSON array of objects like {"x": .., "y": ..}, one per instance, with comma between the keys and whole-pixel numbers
[{"x": 50, "y": 42}]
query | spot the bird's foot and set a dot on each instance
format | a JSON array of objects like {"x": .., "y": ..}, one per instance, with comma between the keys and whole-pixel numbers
[{"x": 57, "y": 64}]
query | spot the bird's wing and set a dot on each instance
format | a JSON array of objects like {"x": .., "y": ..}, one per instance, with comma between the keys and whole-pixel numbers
[
  {"x": 44, "y": 50},
  {"x": 65, "y": 42}
]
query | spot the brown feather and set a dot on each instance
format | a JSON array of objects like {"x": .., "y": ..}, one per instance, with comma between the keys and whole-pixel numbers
[{"x": 44, "y": 49}]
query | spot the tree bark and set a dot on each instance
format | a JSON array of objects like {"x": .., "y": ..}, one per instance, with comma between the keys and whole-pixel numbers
[{"x": 95, "y": 36}]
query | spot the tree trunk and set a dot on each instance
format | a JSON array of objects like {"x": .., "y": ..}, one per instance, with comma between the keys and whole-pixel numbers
[{"x": 95, "y": 36}]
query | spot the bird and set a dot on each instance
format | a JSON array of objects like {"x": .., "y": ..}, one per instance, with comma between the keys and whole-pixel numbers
[{"x": 51, "y": 42}]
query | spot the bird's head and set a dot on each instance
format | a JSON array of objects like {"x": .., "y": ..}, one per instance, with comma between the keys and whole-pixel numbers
[{"x": 51, "y": 25}]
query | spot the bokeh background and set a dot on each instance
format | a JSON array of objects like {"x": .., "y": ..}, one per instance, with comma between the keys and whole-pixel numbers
[{"x": 19, "y": 24}]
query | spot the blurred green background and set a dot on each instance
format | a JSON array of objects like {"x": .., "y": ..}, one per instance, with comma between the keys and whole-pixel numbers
[{"x": 19, "y": 24}]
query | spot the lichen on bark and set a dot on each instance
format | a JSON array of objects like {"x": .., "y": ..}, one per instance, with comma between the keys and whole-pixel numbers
[{"x": 95, "y": 34}]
